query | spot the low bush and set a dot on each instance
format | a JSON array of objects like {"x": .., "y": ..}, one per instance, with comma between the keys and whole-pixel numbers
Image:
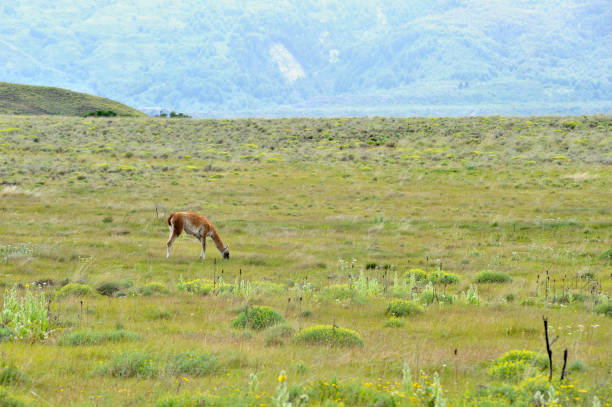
[
  {"x": 257, "y": 317},
  {"x": 515, "y": 365},
  {"x": 418, "y": 274},
  {"x": 79, "y": 338},
  {"x": 193, "y": 364},
  {"x": 442, "y": 277},
  {"x": 403, "y": 308},
  {"x": 153, "y": 288},
  {"x": 490, "y": 276},
  {"x": 328, "y": 335},
  {"x": 203, "y": 287},
  {"x": 132, "y": 364},
  {"x": 276, "y": 335},
  {"x": 394, "y": 322},
  {"x": 75, "y": 290},
  {"x": 109, "y": 288},
  {"x": 605, "y": 309}
]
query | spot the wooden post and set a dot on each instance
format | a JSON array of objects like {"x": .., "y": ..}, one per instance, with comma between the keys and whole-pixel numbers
[{"x": 548, "y": 350}]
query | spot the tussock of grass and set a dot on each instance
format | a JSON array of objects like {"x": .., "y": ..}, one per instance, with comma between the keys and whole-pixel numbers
[
  {"x": 75, "y": 290},
  {"x": 150, "y": 365},
  {"x": 605, "y": 309},
  {"x": 490, "y": 276},
  {"x": 10, "y": 375},
  {"x": 394, "y": 322},
  {"x": 328, "y": 335},
  {"x": 154, "y": 288},
  {"x": 8, "y": 400},
  {"x": 257, "y": 317},
  {"x": 79, "y": 338},
  {"x": 276, "y": 335},
  {"x": 193, "y": 364},
  {"x": 403, "y": 308},
  {"x": 185, "y": 400}
]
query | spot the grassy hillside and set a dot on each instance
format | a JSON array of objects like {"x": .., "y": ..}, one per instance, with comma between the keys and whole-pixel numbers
[
  {"x": 34, "y": 100},
  {"x": 482, "y": 225}
]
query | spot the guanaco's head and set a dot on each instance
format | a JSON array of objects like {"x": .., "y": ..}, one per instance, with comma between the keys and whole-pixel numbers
[{"x": 226, "y": 252}]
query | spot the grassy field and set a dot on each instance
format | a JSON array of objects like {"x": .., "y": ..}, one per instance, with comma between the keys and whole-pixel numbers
[
  {"x": 328, "y": 221},
  {"x": 45, "y": 100}
]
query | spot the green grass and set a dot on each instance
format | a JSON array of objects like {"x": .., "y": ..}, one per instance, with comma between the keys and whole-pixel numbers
[
  {"x": 80, "y": 338},
  {"x": 45, "y": 100},
  {"x": 313, "y": 236}
]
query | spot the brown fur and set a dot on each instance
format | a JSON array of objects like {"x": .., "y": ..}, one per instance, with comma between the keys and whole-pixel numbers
[{"x": 196, "y": 225}]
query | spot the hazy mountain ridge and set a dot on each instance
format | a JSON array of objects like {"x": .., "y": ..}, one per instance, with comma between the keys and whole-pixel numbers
[{"x": 224, "y": 57}]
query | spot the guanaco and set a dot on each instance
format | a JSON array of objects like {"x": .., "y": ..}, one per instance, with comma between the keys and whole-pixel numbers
[{"x": 196, "y": 225}]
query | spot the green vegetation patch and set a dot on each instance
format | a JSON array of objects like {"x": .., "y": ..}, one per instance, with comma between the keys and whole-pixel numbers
[
  {"x": 605, "y": 309},
  {"x": 203, "y": 287},
  {"x": 403, "y": 308},
  {"x": 25, "y": 317},
  {"x": 442, "y": 277},
  {"x": 151, "y": 365},
  {"x": 277, "y": 334},
  {"x": 154, "y": 288},
  {"x": 516, "y": 364},
  {"x": 11, "y": 375},
  {"x": 75, "y": 290},
  {"x": 79, "y": 338},
  {"x": 185, "y": 400},
  {"x": 257, "y": 317},
  {"x": 328, "y": 335},
  {"x": 490, "y": 276}
]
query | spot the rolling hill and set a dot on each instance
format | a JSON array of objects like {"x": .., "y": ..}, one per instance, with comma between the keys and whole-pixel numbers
[{"x": 35, "y": 100}]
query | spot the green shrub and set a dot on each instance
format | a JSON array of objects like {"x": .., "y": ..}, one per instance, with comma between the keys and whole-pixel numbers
[
  {"x": 515, "y": 364},
  {"x": 25, "y": 318},
  {"x": 490, "y": 276},
  {"x": 442, "y": 277},
  {"x": 605, "y": 309},
  {"x": 419, "y": 275},
  {"x": 108, "y": 288},
  {"x": 276, "y": 334},
  {"x": 78, "y": 338},
  {"x": 75, "y": 290},
  {"x": 193, "y": 364},
  {"x": 10, "y": 375},
  {"x": 153, "y": 288},
  {"x": 328, "y": 335},
  {"x": 132, "y": 364},
  {"x": 257, "y": 317},
  {"x": 403, "y": 308},
  {"x": 203, "y": 287},
  {"x": 607, "y": 255}
]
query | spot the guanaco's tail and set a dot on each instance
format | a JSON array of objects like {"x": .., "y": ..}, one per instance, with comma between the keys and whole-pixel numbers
[{"x": 170, "y": 218}]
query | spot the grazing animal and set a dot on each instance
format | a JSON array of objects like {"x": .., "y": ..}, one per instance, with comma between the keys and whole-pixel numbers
[{"x": 196, "y": 225}]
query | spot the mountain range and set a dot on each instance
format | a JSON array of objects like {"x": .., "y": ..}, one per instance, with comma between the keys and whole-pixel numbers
[{"x": 318, "y": 57}]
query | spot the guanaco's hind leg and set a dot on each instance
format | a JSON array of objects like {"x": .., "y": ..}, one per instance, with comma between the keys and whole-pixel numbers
[
  {"x": 171, "y": 240},
  {"x": 175, "y": 230}
]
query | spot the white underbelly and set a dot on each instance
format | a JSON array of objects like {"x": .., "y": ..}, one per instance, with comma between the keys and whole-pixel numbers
[{"x": 190, "y": 228}]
